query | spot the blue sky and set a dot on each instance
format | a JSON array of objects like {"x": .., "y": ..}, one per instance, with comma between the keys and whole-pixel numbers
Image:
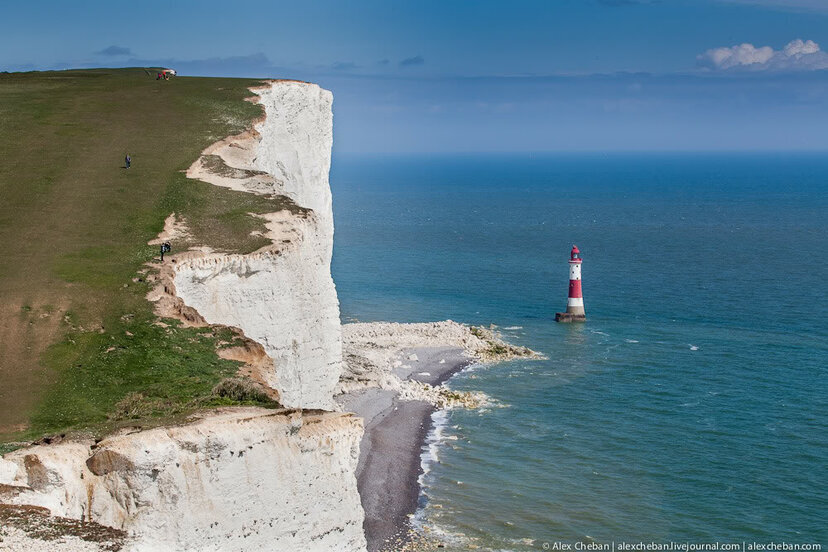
[{"x": 429, "y": 76}]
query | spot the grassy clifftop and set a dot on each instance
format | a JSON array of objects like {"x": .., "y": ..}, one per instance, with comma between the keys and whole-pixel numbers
[{"x": 78, "y": 340}]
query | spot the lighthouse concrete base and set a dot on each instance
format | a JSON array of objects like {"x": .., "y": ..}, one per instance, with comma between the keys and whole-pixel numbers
[{"x": 569, "y": 317}]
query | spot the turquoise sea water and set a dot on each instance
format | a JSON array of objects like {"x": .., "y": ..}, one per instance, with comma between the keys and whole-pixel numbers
[{"x": 693, "y": 404}]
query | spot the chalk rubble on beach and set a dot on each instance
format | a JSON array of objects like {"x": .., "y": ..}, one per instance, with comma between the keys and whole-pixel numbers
[{"x": 374, "y": 354}]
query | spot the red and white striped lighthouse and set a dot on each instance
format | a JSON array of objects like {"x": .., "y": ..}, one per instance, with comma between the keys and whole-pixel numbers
[{"x": 575, "y": 303}]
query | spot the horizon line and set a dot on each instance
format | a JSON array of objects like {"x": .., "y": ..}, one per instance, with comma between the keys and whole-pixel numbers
[{"x": 592, "y": 152}]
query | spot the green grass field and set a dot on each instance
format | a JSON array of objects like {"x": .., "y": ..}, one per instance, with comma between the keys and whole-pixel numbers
[{"x": 78, "y": 340}]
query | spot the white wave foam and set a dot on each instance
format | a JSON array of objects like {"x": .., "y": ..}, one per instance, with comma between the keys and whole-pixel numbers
[
  {"x": 512, "y": 328},
  {"x": 430, "y": 454}
]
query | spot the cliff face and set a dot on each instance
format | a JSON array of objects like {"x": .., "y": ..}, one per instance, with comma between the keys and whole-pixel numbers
[
  {"x": 240, "y": 479},
  {"x": 284, "y": 296},
  {"x": 286, "y": 301}
]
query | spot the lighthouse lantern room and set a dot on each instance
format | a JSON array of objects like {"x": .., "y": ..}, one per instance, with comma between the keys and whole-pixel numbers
[{"x": 575, "y": 302}]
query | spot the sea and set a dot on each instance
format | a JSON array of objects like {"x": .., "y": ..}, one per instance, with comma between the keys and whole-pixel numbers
[{"x": 692, "y": 406}]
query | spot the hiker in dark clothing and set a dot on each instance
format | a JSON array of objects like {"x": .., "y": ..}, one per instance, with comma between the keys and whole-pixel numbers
[{"x": 127, "y": 161}]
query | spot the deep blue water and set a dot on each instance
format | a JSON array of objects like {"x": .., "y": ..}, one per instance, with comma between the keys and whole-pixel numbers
[{"x": 692, "y": 405}]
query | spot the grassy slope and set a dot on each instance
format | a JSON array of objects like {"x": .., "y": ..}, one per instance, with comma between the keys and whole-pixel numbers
[{"x": 74, "y": 224}]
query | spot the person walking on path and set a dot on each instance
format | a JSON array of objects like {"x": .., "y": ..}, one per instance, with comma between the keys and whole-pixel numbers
[{"x": 127, "y": 161}]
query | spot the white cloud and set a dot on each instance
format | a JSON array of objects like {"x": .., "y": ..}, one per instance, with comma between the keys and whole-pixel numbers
[
  {"x": 797, "y": 55},
  {"x": 797, "y": 47}
]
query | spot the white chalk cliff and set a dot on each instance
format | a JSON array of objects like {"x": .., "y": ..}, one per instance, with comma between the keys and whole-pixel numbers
[
  {"x": 238, "y": 478},
  {"x": 282, "y": 296}
]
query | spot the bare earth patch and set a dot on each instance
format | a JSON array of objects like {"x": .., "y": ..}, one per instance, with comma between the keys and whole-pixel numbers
[{"x": 32, "y": 529}]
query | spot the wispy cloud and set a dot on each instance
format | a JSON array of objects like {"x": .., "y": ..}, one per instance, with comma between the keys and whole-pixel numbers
[
  {"x": 621, "y": 3},
  {"x": 114, "y": 51},
  {"x": 344, "y": 66},
  {"x": 617, "y": 3},
  {"x": 797, "y": 55},
  {"x": 412, "y": 61}
]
